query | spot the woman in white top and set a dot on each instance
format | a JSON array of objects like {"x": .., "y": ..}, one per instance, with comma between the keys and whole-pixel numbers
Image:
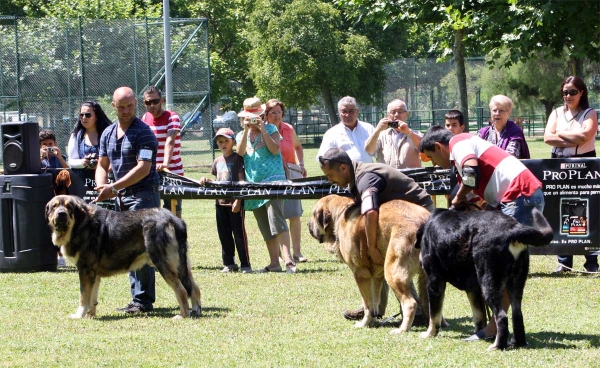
[
  {"x": 85, "y": 138},
  {"x": 571, "y": 131},
  {"x": 571, "y": 128}
]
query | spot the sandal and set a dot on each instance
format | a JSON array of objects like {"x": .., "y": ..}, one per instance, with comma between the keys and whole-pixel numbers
[
  {"x": 290, "y": 267},
  {"x": 267, "y": 269},
  {"x": 300, "y": 259}
]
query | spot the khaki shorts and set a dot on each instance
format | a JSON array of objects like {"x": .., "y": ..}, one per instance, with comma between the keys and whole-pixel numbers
[{"x": 270, "y": 219}]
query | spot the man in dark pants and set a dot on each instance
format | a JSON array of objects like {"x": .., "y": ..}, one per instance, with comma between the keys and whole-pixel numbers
[
  {"x": 372, "y": 184},
  {"x": 129, "y": 146}
]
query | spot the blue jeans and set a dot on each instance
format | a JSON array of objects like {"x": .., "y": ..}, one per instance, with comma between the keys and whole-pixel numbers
[
  {"x": 521, "y": 207},
  {"x": 142, "y": 280}
]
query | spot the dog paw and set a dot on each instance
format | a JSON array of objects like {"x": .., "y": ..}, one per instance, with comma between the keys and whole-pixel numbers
[
  {"x": 426, "y": 334},
  {"x": 75, "y": 316},
  {"x": 196, "y": 313},
  {"x": 178, "y": 317}
]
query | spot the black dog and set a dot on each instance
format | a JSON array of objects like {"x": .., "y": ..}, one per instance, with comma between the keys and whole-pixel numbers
[{"x": 481, "y": 252}]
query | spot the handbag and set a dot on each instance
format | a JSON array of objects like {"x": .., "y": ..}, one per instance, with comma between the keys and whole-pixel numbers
[{"x": 292, "y": 171}]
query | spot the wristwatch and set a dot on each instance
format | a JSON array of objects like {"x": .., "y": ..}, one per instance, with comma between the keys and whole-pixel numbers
[{"x": 113, "y": 189}]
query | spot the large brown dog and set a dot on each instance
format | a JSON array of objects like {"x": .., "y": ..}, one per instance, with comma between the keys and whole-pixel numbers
[
  {"x": 104, "y": 243},
  {"x": 337, "y": 222}
]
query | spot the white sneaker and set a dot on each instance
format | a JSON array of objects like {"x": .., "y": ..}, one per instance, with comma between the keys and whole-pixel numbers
[
  {"x": 230, "y": 268},
  {"x": 61, "y": 263},
  {"x": 246, "y": 269}
]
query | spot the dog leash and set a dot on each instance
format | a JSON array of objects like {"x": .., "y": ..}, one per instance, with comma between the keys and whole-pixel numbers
[{"x": 388, "y": 319}]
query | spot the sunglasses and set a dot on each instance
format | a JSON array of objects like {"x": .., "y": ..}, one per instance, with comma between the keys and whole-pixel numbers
[
  {"x": 86, "y": 114},
  {"x": 154, "y": 101},
  {"x": 570, "y": 92}
]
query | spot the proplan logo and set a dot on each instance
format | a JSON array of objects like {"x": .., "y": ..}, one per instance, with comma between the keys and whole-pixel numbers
[{"x": 573, "y": 165}]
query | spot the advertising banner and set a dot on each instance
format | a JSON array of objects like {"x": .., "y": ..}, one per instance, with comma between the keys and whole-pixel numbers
[{"x": 572, "y": 195}]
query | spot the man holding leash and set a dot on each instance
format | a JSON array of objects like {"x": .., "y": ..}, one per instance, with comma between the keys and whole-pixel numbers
[
  {"x": 371, "y": 184},
  {"x": 490, "y": 172},
  {"x": 129, "y": 146},
  {"x": 166, "y": 125}
]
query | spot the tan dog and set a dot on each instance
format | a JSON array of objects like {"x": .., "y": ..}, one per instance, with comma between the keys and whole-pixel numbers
[{"x": 337, "y": 222}]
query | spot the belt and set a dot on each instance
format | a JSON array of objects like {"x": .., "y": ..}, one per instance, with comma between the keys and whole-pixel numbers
[{"x": 132, "y": 191}]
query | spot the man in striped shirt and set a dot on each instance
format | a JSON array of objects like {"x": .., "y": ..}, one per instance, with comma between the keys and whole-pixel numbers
[
  {"x": 166, "y": 125},
  {"x": 493, "y": 174}
]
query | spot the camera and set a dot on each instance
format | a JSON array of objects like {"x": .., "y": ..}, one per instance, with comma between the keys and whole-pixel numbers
[
  {"x": 253, "y": 121},
  {"x": 393, "y": 124},
  {"x": 93, "y": 159},
  {"x": 50, "y": 149}
]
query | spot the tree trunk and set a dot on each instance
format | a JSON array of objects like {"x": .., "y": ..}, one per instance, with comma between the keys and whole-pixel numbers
[
  {"x": 329, "y": 106},
  {"x": 461, "y": 74},
  {"x": 548, "y": 106},
  {"x": 576, "y": 67}
]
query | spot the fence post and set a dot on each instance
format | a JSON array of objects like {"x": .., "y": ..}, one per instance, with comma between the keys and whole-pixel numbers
[
  {"x": 81, "y": 62},
  {"x": 18, "y": 67}
]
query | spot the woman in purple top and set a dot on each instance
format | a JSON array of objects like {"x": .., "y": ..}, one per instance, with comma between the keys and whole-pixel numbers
[{"x": 502, "y": 132}]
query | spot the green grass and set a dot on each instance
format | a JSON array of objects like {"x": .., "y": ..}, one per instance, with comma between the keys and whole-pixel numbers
[{"x": 279, "y": 320}]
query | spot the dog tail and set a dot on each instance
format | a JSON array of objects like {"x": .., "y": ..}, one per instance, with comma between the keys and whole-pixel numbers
[
  {"x": 184, "y": 267},
  {"x": 540, "y": 234}
]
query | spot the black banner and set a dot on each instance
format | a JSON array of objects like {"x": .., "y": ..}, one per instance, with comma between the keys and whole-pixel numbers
[
  {"x": 572, "y": 195},
  {"x": 571, "y": 191}
]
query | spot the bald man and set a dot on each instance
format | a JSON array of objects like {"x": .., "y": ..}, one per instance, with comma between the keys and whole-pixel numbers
[{"x": 129, "y": 146}]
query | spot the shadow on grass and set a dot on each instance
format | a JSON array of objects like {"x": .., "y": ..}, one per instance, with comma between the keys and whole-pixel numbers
[
  {"x": 560, "y": 340},
  {"x": 564, "y": 275},
  {"x": 207, "y": 313}
]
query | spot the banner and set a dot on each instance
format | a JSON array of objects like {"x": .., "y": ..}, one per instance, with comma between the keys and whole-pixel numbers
[{"x": 571, "y": 189}]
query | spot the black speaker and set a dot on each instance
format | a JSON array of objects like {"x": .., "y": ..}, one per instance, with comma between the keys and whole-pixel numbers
[{"x": 21, "y": 148}]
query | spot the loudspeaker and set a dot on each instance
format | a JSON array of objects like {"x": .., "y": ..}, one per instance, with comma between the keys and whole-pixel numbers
[{"x": 21, "y": 148}]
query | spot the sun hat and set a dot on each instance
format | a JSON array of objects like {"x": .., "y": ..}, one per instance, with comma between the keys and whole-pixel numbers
[
  {"x": 253, "y": 108},
  {"x": 225, "y": 132}
]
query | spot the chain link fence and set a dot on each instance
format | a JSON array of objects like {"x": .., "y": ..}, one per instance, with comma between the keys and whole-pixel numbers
[{"x": 48, "y": 67}]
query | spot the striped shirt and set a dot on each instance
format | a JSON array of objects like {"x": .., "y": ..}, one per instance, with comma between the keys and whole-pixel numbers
[
  {"x": 169, "y": 121},
  {"x": 503, "y": 178},
  {"x": 123, "y": 153}
]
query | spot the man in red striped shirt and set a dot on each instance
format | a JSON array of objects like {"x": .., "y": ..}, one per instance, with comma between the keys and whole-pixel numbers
[
  {"x": 493, "y": 174},
  {"x": 166, "y": 125}
]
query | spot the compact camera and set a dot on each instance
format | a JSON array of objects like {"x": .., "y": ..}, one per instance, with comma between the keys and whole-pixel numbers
[
  {"x": 393, "y": 124},
  {"x": 93, "y": 159},
  {"x": 253, "y": 121},
  {"x": 50, "y": 149}
]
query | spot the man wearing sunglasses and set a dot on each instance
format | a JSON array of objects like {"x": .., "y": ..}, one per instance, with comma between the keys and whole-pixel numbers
[
  {"x": 166, "y": 125},
  {"x": 372, "y": 184}
]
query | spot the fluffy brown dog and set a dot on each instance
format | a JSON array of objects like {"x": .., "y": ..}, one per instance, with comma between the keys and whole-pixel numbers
[
  {"x": 103, "y": 243},
  {"x": 337, "y": 222}
]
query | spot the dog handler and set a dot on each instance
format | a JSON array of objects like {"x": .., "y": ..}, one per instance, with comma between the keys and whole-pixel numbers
[
  {"x": 129, "y": 146},
  {"x": 490, "y": 172},
  {"x": 372, "y": 184}
]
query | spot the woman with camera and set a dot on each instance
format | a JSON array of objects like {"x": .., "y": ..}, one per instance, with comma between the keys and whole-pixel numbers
[
  {"x": 259, "y": 145},
  {"x": 571, "y": 131},
  {"x": 397, "y": 146},
  {"x": 85, "y": 138}
]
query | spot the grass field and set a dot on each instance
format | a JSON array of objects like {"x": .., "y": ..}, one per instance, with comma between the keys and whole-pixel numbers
[{"x": 280, "y": 320}]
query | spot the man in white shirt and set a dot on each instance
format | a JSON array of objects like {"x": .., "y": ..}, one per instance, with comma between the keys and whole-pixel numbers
[
  {"x": 393, "y": 142},
  {"x": 350, "y": 134}
]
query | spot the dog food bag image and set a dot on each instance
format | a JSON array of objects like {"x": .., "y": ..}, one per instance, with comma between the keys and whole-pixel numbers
[
  {"x": 564, "y": 216},
  {"x": 578, "y": 217}
]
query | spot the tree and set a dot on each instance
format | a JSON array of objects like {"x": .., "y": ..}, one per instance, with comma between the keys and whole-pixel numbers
[
  {"x": 304, "y": 49},
  {"x": 456, "y": 27},
  {"x": 227, "y": 19},
  {"x": 554, "y": 27}
]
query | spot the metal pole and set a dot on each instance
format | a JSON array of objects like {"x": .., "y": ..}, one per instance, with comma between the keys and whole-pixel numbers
[{"x": 168, "y": 77}]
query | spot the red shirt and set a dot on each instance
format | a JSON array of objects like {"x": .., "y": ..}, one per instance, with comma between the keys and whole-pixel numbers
[{"x": 168, "y": 121}]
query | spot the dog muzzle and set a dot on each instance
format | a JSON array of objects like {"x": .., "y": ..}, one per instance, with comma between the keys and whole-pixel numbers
[{"x": 61, "y": 220}]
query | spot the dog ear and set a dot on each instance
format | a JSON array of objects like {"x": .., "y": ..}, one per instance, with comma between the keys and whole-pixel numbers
[
  {"x": 325, "y": 219},
  {"x": 47, "y": 211}
]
